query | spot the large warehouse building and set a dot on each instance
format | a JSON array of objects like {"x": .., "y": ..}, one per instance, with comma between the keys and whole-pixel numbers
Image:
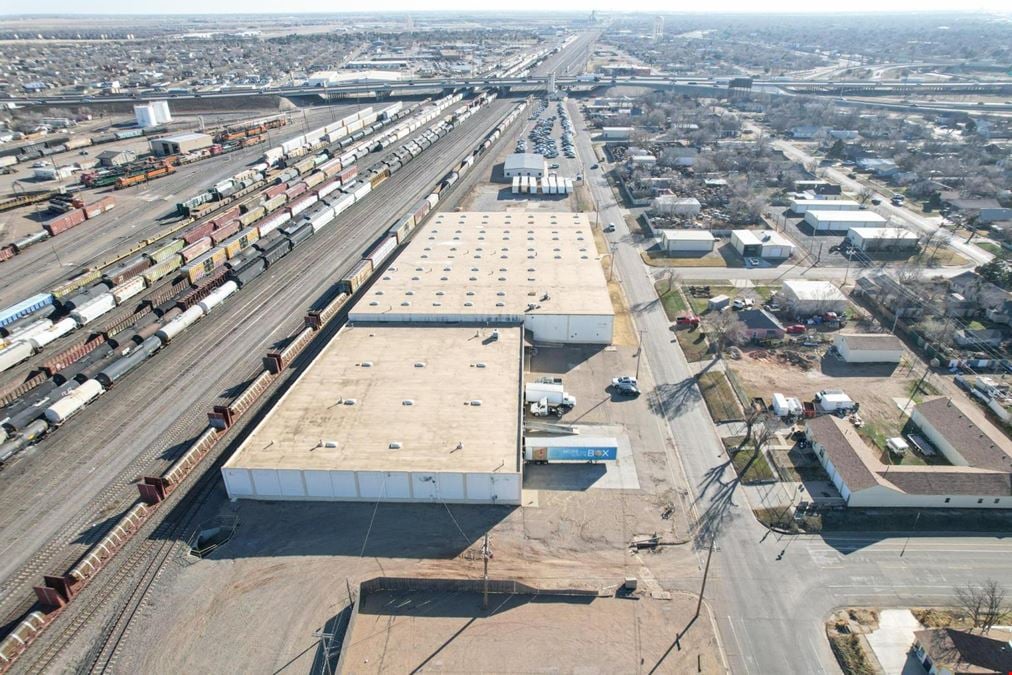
[
  {"x": 800, "y": 206},
  {"x": 394, "y": 413},
  {"x": 842, "y": 221},
  {"x": 539, "y": 269},
  {"x": 525, "y": 164}
]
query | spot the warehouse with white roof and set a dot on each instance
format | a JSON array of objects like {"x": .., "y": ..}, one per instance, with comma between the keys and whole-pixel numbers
[
  {"x": 696, "y": 242},
  {"x": 761, "y": 244},
  {"x": 539, "y": 269},
  {"x": 800, "y": 206},
  {"x": 393, "y": 413},
  {"x": 525, "y": 164},
  {"x": 806, "y": 298},
  {"x": 871, "y": 239},
  {"x": 842, "y": 221}
]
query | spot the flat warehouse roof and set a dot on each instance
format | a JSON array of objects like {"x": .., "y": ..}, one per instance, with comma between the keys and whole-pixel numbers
[
  {"x": 687, "y": 235},
  {"x": 847, "y": 216},
  {"x": 884, "y": 233},
  {"x": 182, "y": 138},
  {"x": 493, "y": 264},
  {"x": 377, "y": 385},
  {"x": 763, "y": 237}
]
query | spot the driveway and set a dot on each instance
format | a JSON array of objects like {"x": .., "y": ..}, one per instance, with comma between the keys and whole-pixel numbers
[{"x": 891, "y": 642}]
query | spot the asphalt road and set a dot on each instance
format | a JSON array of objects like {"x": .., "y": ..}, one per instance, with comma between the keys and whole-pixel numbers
[
  {"x": 136, "y": 217},
  {"x": 68, "y": 490},
  {"x": 770, "y": 612}
]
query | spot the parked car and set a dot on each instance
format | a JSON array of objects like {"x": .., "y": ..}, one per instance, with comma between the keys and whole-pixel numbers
[
  {"x": 753, "y": 262},
  {"x": 876, "y": 201},
  {"x": 553, "y": 166},
  {"x": 742, "y": 303},
  {"x": 795, "y": 329},
  {"x": 626, "y": 385},
  {"x": 898, "y": 200},
  {"x": 687, "y": 320},
  {"x": 593, "y": 166}
]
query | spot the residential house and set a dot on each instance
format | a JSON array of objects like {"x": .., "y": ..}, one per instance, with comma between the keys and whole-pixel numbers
[
  {"x": 758, "y": 324},
  {"x": 948, "y": 651}
]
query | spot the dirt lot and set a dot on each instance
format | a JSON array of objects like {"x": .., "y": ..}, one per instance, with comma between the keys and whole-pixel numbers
[
  {"x": 875, "y": 387},
  {"x": 400, "y": 632}
]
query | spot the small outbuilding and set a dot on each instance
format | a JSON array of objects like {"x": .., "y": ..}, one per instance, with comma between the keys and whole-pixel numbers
[
  {"x": 670, "y": 205},
  {"x": 758, "y": 324},
  {"x": 687, "y": 241},
  {"x": 116, "y": 157},
  {"x": 616, "y": 133},
  {"x": 869, "y": 348}
]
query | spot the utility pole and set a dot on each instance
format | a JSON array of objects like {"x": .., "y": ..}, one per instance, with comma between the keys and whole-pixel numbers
[
  {"x": 486, "y": 553},
  {"x": 850, "y": 253},
  {"x": 611, "y": 266}
]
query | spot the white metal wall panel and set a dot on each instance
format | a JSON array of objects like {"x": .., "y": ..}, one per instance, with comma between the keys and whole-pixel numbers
[
  {"x": 237, "y": 483},
  {"x": 318, "y": 484},
  {"x": 344, "y": 484},
  {"x": 291, "y": 483},
  {"x": 266, "y": 483},
  {"x": 384, "y": 485}
]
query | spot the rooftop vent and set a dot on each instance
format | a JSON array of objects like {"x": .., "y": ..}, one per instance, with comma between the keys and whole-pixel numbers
[
  {"x": 419, "y": 364},
  {"x": 475, "y": 402},
  {"x": 328, "y": 444},
  {"x": 350, "y": 401},
  {"x": 394, "y": 445},
  {"x": 407, "y": 401},
  {"x": 366, "y": 364}
]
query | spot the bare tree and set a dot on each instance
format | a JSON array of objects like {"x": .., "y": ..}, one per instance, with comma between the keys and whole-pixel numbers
[
  {"x": 723, "y": 328},
  {"x": 672, "y": 278},
  {"x": 985, "y": 604},
  {"x": 864, "y": 195}
]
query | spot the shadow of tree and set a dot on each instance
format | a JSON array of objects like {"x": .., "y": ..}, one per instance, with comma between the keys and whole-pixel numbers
[{"x": 669, "y": 400}]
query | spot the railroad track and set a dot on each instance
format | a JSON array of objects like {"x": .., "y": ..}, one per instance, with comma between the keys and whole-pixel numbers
[
  {"x": 142, "y": 567},
  {"x": 204, "y": 345}
]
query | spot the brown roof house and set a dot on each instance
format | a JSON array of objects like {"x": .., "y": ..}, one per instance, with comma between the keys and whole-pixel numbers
[
  {"x": 947, "y": 651},
  {"x": 979, "y": 473}
]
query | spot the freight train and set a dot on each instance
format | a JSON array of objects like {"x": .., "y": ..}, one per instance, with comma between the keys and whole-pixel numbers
[{"x": 216, "y": 258}]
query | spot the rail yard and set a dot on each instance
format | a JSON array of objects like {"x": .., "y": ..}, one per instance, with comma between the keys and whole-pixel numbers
[{"x": 437, "y": 343}]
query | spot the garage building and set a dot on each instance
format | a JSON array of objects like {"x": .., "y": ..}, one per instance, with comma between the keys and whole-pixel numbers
[
  {"x": 616, "y": 133},
  {"x": 541, "y": 269},
  {"x": 687, "y": 241},
  {"x": 806, "y": 298},
  {"x": 869, "y": 348},
  {"x": 761, "y": 244},
  {"x": 804, "y": 205},
  {"x": 180, "y": 144},
  {"x": 393, "y": 413},
  {"x": 525, "y": 164},
  {"x": 842, "y": 221},
  {"x": 883, "y": 239}
]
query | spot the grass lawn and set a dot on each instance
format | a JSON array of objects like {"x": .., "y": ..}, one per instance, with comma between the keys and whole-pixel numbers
[
  {"x": 700, "y": 304},
  {"x": 693, "y": 343},
  {"x": 748, "y": 470},
  {"x": 994, "y": 249},
  {"x": 674, "y": 303},
  {"x": 656, "y": 258},
  {"x": 720, "y": 400}
]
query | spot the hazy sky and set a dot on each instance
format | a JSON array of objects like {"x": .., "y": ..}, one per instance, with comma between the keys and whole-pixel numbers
[{"x": 273, "y": 6}]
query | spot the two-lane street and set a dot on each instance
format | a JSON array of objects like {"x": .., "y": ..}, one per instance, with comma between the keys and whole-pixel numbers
[{"x": 771, "y": 611}]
